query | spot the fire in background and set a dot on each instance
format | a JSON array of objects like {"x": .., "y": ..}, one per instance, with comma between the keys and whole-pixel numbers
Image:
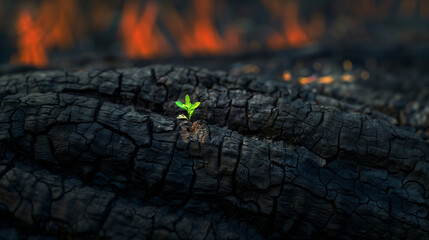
[
  {"x": 54, "y": 24},
  {"x": 157, "y": 29}
]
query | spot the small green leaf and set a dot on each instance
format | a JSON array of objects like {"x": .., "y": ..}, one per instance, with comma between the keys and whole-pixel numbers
[
  {"x": 192, "y": 109},
  {"x": 187, "y": 106},
  {"x": 181, "y": 116},
  {"x": 181, "y": 105},
  {"x": 188, "y": 101},
  {"x": 195, "y": 105}
]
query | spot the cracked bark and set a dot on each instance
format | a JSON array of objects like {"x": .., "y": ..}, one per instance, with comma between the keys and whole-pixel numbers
[{"x": 99, "y": 154}]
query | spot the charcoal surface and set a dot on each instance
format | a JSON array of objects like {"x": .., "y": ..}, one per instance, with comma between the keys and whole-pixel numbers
[{"x": 100, "y": 155}]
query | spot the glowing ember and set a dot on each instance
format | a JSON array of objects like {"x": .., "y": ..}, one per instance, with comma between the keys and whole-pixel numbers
[
  {"x": 140, "y": 35},
  {"x": 308, "y": 80},
  {"x": 347, "y": 78},
  {"x": 287, "y": 76},
  {"x": 326, "y": 79}
]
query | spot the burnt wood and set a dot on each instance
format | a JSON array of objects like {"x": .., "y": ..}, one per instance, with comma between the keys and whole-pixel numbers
[{"x": 100, "y": 154}]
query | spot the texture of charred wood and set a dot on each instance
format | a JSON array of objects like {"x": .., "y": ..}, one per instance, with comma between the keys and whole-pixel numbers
[
  {"x": 403, "y": 105},
  {"x": 100, "y": 154}
]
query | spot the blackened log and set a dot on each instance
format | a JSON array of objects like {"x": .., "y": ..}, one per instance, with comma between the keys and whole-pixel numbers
[
  {"x": 38, "y": 203},
  {"x": 263, "y": 157},
  {"x": 403, "y": 105},
  {"x": 249, "y": 105}
]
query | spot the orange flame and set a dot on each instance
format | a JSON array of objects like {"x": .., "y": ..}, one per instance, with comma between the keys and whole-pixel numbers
[
  {"x": 293, "y": 33},
  {"x": 31, "y": 50},
  {"x": 198, "y": 35},
  {"x": 62, "y": 23},
  {"x": 59, "y": 24},
  {"x": 140, "y": 35},
  {"x": 56, "y": 24}
]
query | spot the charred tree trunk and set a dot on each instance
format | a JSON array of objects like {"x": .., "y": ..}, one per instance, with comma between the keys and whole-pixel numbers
[{"x": 100, "y": 154}]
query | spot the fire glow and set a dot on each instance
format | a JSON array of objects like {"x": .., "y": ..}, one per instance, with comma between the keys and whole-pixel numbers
[
  {"x": 147, "y": 29},
  {"x": 55, "y": 24},
  {"x": 31, "y": 49},
  {"x": 59, "y": 24},
  {"x": 139, "y": 33},
  {"x": 293, "y": 32},
  {"x": 197, "y": 35}
]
